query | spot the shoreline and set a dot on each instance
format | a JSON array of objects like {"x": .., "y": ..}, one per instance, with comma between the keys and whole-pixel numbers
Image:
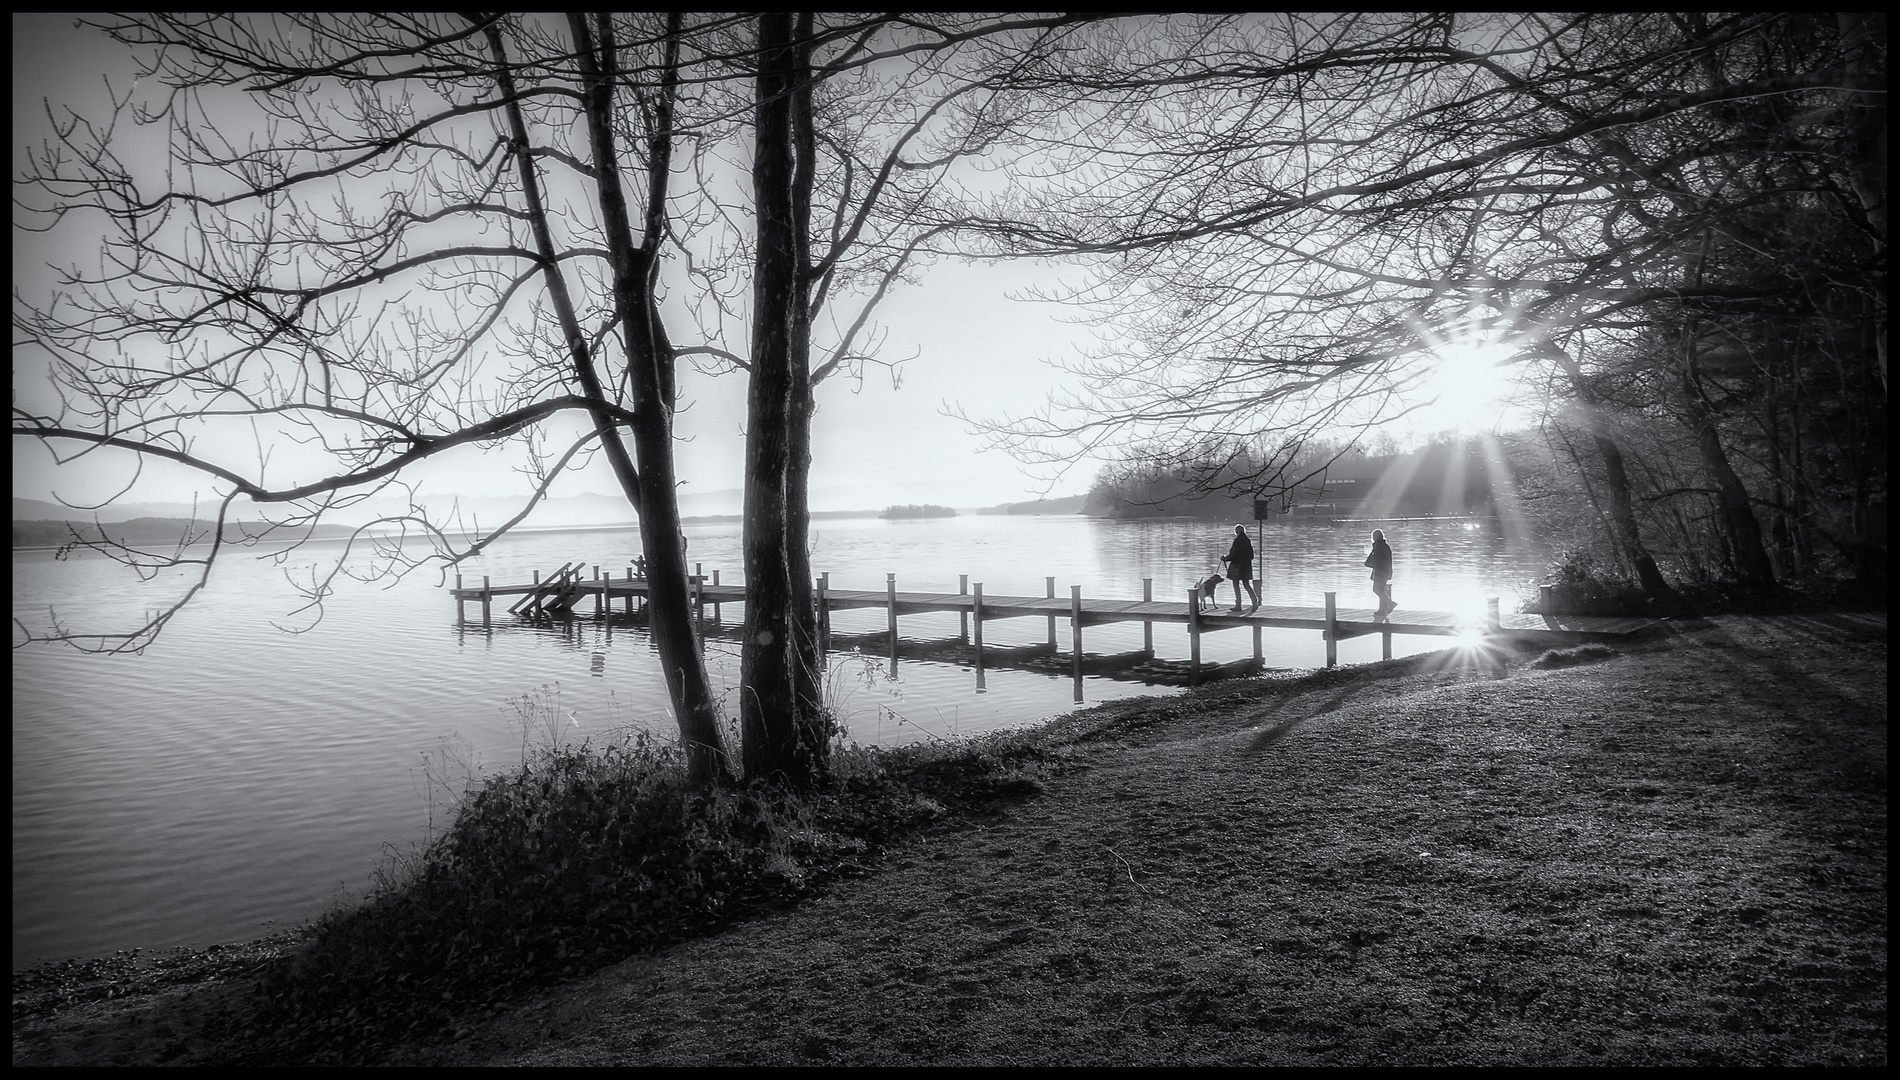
[
  {"x": 344, "y": 532},
  {"x": 1329, "y": 721}
]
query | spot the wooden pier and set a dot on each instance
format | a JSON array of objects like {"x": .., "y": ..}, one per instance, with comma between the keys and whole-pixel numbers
[{"x": 566, "y": 592}]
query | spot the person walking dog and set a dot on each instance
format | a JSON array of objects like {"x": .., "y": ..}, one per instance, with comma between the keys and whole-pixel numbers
[
  {"x": 1239, "y": 560},
  {"x": 1380, "y": 560}
]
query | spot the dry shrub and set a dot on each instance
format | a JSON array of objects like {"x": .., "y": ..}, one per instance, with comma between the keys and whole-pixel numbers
[
  {"x": 583, "y": 856},
  {"x": 1571, "y": 657}
]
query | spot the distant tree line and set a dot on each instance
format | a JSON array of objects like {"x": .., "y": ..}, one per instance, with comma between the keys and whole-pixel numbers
[
  {"x": 1444, "y": 478},
  {"x": 1068, "y": 504},
  {"x": 917, "y": 510}
]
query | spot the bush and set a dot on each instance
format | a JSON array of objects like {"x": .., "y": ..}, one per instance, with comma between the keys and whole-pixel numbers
[
  {"x": 1583, "y": 585},
  {"x": 580, "y": 858},
  {"x": 1581, "y": 654}
]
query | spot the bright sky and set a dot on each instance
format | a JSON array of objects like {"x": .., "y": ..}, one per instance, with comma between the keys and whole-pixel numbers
[{"x": 959, "y": 337}]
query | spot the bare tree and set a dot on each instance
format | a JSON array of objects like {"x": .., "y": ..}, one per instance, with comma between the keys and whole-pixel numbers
[
  {"x": 384, "y": 238},
  {"x": 452, "y": 233}
]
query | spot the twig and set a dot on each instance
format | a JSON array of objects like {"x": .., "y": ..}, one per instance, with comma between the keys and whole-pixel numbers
[{"x": 1126, "y": 868}]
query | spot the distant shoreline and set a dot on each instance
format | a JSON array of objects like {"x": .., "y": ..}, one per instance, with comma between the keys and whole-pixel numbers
[
  {"x": 149, "y": 531},
  {"x": 175, "y": 527}
]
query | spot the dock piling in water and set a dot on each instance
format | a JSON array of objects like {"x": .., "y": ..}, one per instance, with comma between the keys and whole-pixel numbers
[
  {"x": 890, "y": 591},
  {"x": 1050, "y": 593},
  {"x": 1148, "y": 625},
  {"x": 976, "y": 629},
  {"x": 1194, "y": 637},
  {"x": 824, "y": 612},
  {"x": 1332, "y": 629},
  {"x": 1075, "y": 631},
  {"x": 963, "y": 617}
]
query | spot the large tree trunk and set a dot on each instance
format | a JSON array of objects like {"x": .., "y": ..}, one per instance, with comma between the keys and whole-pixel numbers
[
  {"x": 769, "y": 697},
  {"x": 1738, "y": 517},
  {"x": 808, "y": 663},
  {"x": 1616, "y": 488},
  {"x": 1864, "y": 49},
  {"x": 1616, "y": 482}
]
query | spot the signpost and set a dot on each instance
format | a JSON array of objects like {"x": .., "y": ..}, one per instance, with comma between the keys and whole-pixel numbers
[{"x": 1261, "y": 508}]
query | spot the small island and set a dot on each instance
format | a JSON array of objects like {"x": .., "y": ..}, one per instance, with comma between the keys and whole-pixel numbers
[{"x": 916, "y": 510}]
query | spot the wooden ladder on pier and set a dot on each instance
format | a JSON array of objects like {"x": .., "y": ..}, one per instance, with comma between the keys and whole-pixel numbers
[{"x": 555, "y": 596}]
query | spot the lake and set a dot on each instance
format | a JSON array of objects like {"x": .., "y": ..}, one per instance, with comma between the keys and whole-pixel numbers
[{"x": 236, "y": 776}]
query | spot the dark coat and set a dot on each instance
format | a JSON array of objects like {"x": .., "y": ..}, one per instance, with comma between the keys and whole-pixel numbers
[
  {"x": 1380, "y": 560},
  {"x": 1239, "y": 558}
]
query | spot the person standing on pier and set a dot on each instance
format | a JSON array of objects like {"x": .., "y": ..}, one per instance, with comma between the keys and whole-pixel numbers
[
  {"x": 1239, "y": 560},
  {"x": 1381, "y": 563}
]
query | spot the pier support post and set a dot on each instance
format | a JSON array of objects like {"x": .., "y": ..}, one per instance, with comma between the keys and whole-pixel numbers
[
  {"x": 1194, "y": 637},
  {"x": 1332, "y": 629},
  {"x": 824, "y": 612},
  {"x": 715, "y": 599},
  {"x": 963, "y": 617},
  {"x": 461, "y": 615},
  {"x": 1385, "y": 644},
  {"x": 1050, "y": 593},
  {"x": 1492, "y": 623},
  {"x": 486, "y": 597},
  {"x": 1259, "y": 656},
  {"x": 1148, "y": 625},
  {"x": 890, "y": 608},
  {"x": 976, "y": 629},
  {"x": 699, "y": 606},
  {"x": 818, "y": 617},
  {"x": 1075, "y": 632}
]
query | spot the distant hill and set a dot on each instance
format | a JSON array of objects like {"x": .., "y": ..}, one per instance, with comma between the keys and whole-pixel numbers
[
  {"x": 40, "y": 510},
  {"x": 148, "y": 531},
  {"x": 1071, "y": 504}
]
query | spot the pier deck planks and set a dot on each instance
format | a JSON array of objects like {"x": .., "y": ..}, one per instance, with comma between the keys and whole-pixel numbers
[{"x": 1351, "y": 622}]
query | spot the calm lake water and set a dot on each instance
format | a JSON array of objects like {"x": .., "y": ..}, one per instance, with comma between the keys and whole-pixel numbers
[{"x": 236, "y": 775}]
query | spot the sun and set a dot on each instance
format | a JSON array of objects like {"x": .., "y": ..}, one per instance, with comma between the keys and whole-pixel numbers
[{"x": 1468, "y": 388}]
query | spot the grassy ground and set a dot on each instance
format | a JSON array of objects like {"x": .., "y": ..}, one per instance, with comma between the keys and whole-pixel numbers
[{"x": 1667, "y": 852}]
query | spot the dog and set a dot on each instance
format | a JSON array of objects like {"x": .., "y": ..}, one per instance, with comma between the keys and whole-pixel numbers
[{"x": 1209, "y": 589}]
